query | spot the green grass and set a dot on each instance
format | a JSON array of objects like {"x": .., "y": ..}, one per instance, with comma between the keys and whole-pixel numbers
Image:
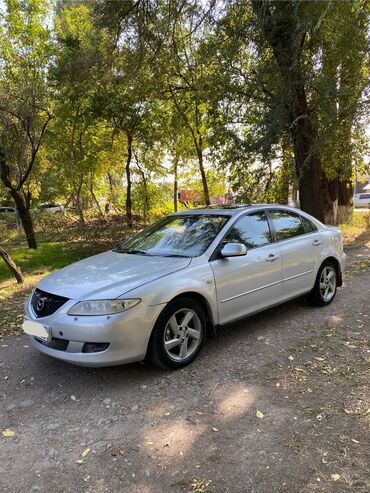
[
  {"x": 48, "y": 257},
  {"x": 357, "y": 231}
]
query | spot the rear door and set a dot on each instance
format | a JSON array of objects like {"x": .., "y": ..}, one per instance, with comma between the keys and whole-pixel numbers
[
  {"x": 300, "y": 246},
  {"x": 252, "y": 282}
]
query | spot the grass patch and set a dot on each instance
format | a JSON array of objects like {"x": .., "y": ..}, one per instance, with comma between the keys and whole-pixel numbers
[
  {"x": 357, "y": 231},
  {"x": 48, "y": 257}
]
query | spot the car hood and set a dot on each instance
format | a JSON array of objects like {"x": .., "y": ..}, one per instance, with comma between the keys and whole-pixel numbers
[{"x": 109, "y": 275}]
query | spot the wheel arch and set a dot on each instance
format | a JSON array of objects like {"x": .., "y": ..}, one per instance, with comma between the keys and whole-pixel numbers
[
  {"x": 336, "y": 263},
  {"x": 204, "y": 304}
]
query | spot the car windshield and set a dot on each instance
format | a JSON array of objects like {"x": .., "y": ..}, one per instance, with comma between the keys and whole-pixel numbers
[{"x": 176, "y": 236}]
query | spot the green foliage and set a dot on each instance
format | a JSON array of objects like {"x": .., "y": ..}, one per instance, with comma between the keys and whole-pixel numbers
[
  {"x": 26, "y": 50},
  {"x": 139, "y": 90}
]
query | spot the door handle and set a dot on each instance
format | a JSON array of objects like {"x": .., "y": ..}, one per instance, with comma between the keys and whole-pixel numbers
[
  {"x": 316, "y": 242},
  {"x": 272, "y": 258}
]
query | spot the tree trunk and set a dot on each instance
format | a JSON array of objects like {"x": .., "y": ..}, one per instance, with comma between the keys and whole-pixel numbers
[
  {"x": 345, "y": 207},
  {"x": 285, "y": 170},
  {"x": 175, "y": 180},
  {"x": 22, "y": 204},
  {"x": 128, "y": 179},
  {"x": 281, "y": 29},
  {"x": 12, "y": 266},
  {"x": 25, "y": 216},
  {"x": 72, "y": 165},
  {"x": 202, "y": 172},
  {"x": 91, "y": 190}
]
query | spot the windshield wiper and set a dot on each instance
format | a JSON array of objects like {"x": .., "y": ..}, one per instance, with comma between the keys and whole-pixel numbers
[
  {"x": 135, "y": 252},
  {"x": 174, "y": 255}
]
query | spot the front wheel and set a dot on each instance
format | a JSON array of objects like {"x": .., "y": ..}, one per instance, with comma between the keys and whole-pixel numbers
[
  {"x": 178, "y": 334},
  {"x": 325, "y": 287}
]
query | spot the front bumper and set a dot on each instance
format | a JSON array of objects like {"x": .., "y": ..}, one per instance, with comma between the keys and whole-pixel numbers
[
  {"x": 343, "y": 266},
  {"x": 127, "y": 335}
]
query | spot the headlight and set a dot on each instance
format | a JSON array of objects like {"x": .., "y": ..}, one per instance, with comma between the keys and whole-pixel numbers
[{"x": 102, "y": 307}]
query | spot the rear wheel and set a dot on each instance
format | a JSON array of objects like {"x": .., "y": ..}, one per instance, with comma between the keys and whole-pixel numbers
[
  {"x": 325, "y": 287},
  {"x": 178, "y": 335}
]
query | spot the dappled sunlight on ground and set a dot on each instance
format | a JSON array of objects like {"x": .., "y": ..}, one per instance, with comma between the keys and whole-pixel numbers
[
  {"x": 173, "y": 438},
  {"x": 236, "y": 402},
  {"x": 334, "y": 320}
]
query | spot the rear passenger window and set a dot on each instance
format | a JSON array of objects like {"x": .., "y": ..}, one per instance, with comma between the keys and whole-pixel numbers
[
  {"x": 251, "y": 230},
  {"x": 287, "y": 224},
  {"x": 308, "y": 225}
]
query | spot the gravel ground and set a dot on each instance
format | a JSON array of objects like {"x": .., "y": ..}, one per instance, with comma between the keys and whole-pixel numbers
[{"x": 276, "y": 403}]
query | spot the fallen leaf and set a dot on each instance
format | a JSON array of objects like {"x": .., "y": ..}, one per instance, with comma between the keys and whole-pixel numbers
[
  {"x": 335, "y": 477},
  {"x": 118, "y": 452},
  {"x": 85, "y": 452},
  {"x": 8, "y": 433},
  {"x": 259, "y": 414}
]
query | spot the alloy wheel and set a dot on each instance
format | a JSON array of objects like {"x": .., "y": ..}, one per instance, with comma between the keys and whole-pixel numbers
[
  {"x": 183, "y": 334},
  {"x": 328, "y": 283}
]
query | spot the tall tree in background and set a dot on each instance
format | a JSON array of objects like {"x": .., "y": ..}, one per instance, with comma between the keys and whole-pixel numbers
[
  {"x": 309, "y": 41},
  {"x": 342, "y": 86},
  {"x": 283, "y": 27},
  {"x": 25, "y": 53}
]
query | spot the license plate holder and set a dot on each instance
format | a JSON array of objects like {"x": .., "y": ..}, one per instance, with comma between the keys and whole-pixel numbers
[{"x": 37, "y": 330}]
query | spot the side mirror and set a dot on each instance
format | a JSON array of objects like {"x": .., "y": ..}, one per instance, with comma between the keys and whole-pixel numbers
[{"x": 234, "y": 250}]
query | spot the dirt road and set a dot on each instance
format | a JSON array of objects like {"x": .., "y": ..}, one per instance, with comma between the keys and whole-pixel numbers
[{"x": 275, "y": 404}]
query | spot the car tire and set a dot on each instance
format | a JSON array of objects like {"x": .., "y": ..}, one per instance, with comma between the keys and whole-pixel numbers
[
  {"x": 325, "y": 288},
  {"x": 174, "y": 344}
]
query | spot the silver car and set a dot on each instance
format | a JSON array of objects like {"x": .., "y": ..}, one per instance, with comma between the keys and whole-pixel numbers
[
  {"x": 159, "y": 293},
  {"x": 361, "y": 200}
]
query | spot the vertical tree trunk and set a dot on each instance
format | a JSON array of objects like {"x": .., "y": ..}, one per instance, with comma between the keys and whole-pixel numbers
[
  {"x": 128, "y": 179},
  {"x": 76, "y": 188},
  {"x": 146, "y": 196},
  {"x": 202, "y": 172},
  {"x": 345, "y": 207},
  {"x": 23, "y": 208},
  {"x": 22, "y": 204},
  {"x": 175, "y": 180},
  {"x": 17, "y": 273},
  {"x": 281, "y": 29},
  {"x": 285, "y": 170},
  {"x": 91, "y": 190}
]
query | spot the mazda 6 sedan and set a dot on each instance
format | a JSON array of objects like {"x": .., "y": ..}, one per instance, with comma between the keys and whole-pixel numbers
[{"x": 158, "y": 294}]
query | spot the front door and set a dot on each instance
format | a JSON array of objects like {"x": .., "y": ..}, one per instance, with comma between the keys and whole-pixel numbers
[{"x": 252, "y": 282}]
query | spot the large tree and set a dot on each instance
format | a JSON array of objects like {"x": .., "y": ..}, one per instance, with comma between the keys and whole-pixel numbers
[
  {"x": 25, "y": 53},
  {"x": 309, "y": 42}
]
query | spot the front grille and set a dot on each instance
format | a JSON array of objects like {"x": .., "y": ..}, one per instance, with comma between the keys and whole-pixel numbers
[{"x": 45, "y": 304}]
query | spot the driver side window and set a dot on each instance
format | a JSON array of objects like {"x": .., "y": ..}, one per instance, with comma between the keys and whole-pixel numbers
[{"x": 251, "y": 230}]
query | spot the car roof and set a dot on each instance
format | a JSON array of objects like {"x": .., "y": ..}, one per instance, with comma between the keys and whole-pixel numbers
[{"x": 232, "y": 210}]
